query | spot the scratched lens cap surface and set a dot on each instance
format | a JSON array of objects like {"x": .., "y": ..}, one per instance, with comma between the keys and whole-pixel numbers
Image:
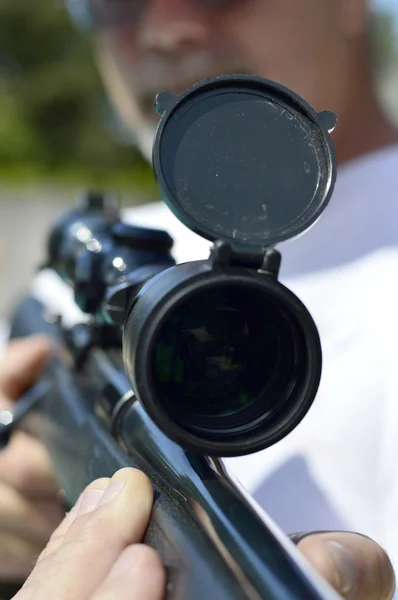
[{"x": 243, "y": 159}]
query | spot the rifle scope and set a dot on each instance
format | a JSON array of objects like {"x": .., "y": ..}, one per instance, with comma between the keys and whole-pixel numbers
[{"x": 225, "y": 359}]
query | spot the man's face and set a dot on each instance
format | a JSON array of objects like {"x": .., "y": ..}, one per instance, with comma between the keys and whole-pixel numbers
[{"x": 145, "y": 46}]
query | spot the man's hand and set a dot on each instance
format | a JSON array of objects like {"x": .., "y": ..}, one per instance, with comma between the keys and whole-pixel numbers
[
  {"x": 353, "y": 564},
  {"x": 95, "y": 553},
  {"x": 29, "y": 508}
]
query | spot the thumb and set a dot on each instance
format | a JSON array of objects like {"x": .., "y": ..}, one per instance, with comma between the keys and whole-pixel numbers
[
  {"x": 353, "y": 564},
  {"x": 21, "y": 365}
]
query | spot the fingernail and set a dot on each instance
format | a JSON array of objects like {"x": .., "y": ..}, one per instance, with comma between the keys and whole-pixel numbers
[
  {"x": 346, "y": 570},
  {"x": 90, "y": 500},
  {"x": 112, "y": 491}
]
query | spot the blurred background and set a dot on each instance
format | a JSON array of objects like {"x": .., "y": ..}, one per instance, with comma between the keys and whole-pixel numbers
[{"x": 58, "y": 135}]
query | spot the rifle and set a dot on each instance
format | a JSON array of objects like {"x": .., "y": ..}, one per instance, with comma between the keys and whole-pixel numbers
[{"x": 171, "y": 367}]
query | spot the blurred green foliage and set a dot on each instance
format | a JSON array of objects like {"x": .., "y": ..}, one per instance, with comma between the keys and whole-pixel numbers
[
  {"x": 385, "y": 43},
  {"x": 54, "y": 118}
]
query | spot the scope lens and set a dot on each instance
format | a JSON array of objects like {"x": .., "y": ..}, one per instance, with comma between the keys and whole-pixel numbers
[{"x": 221, "y": 352}]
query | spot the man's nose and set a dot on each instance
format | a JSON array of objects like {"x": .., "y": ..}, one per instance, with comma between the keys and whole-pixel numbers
[{"x": 174, "y": 25}]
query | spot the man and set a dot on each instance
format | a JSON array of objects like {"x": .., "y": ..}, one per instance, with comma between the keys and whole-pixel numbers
[
  {"x": 338, "y": 468},
  {"x": 343, "y": 269}
]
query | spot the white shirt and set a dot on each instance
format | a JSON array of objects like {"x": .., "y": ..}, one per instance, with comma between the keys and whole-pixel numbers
[{"x": 339, "y": 468}]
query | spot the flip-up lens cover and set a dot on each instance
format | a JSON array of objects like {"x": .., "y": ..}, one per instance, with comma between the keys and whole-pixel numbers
[{"x": 243, "y": 159}]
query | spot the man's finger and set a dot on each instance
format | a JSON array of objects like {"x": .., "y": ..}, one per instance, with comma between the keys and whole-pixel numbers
[
  {"x": 58, "y": 536},
  {"x": 137, "y": 573},
  {"x": 21, "y": 365},
  {"x": 17, "y": 557},
  {"x": 354, "y": 565},
  {"x": 105, "y": 523},
  {"x": 25, "y": 465},
  {"x": 25, "y": 519}
]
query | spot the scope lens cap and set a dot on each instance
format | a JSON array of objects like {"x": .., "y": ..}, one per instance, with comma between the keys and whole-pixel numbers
[{"x": 243, "y": 159}]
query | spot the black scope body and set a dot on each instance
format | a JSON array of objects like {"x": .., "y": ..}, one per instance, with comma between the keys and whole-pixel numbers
[{"x": 224, "y": 358}]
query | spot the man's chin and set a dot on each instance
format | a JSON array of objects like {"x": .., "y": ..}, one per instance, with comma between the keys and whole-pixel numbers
[
  {"x": 146, "y": 132},
  {"x": 146, "y": 100}
]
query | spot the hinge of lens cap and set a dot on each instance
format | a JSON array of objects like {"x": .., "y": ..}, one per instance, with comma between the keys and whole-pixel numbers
[
  {"x": 224, "y": 255},
  {"x": 241, "y": 159}
]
